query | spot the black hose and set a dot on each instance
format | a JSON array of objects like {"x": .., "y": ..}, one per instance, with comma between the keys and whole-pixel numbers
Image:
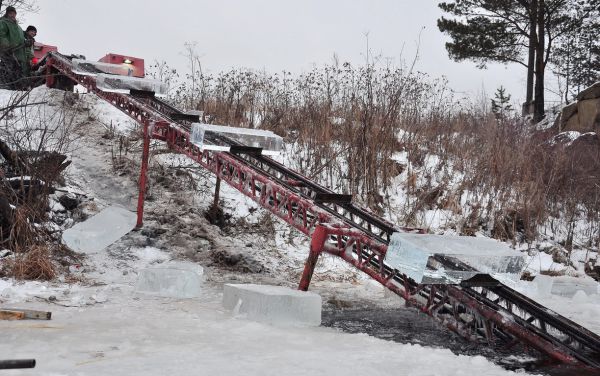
[{"x": 17, "y": 364}]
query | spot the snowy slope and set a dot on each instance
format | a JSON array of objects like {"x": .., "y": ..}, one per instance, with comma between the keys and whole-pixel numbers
[{"x": 101, "y": 326}]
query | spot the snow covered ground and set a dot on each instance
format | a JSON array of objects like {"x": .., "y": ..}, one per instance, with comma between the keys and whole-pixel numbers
[
  {"x": 100, "y": 325},
  {"x": 118, "y": 332}
]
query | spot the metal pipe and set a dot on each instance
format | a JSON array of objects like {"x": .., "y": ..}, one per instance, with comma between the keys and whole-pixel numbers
[
  {"x": 17, "y": 364},
  {"x": 316, "y": 247}
]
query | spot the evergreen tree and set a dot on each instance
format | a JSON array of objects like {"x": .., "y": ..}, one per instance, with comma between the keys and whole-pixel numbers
[
  {"x": 577, "y": 54},
  {"x": 510, "y": 31},
  {"x": 501, "y": 106}
]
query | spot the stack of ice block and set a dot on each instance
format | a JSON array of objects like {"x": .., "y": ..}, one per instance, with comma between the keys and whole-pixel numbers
[
  {"x": 269, "y": 142},
  {"x": 437, "y": 259},
  {"x": 124, "y": 84},
  {"x": 93, "y": 68}
]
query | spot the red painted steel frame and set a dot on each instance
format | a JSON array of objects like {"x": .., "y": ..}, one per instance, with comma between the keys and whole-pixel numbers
[
  {"x": 354, "y": 239},
  {"x": 298, "y": 211}
]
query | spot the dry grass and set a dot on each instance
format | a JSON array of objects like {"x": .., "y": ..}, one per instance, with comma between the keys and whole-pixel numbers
[
  {"x": 347, "y": 125},
  {"x": 32, "y": 259},
  {"x": 35, "y": 264}
]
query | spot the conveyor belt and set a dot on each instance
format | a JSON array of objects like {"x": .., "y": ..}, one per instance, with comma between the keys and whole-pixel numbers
[{"x": 488, "y": 311}]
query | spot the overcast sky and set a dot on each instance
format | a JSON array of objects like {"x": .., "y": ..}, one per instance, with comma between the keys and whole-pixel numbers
[{"x": 265, "y": 34}]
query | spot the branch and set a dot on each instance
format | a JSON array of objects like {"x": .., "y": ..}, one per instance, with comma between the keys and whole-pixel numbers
[
  {"x": 15, "y": 103},
  {"x": 10, "y": 108}
]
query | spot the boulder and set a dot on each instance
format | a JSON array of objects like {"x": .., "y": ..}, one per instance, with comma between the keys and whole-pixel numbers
[
  {"x": 597, "y": 126},
  {"x": 567, "y": 113},
  {"x": 591, "y": 92},
  {"x": 69, "y": 201},
  {"x": 588, "y": 110},
  {"x": 573, "y": 125}
]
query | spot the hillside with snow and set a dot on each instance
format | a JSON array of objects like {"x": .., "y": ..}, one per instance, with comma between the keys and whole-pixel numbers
[{"x": 101, "y": 324}]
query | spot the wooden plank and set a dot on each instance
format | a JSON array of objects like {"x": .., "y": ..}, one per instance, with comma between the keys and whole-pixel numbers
[
  {"x": 11, "y": 315},
  {"x": 30, "y": 314}
]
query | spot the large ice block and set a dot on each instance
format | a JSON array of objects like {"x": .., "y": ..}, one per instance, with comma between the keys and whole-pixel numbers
[
  {"x": 269, "y": 142},
  {"x": 273, "y": 304},
  {"x": 93, "y": 68},
  {"x": 100, "y": 231},
  {"x": 441, "y": 259},
  {"x": 569, "y": 286},
  {"x": 544, "y": 285},
  {"x": 124, "y": 85},
  {"x": 171, "y": 280}
]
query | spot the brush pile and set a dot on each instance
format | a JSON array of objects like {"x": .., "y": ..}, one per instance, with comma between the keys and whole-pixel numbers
[{"x": 27, "y": 244}]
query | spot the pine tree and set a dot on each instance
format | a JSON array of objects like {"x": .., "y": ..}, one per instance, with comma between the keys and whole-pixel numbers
[
  {"x": 501, "y": 106},
  {"x": 511, "y": 31},
  {"x": 577, "y": 54}
]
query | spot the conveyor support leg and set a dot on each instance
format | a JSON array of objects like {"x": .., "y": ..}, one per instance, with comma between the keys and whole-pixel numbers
[{"x": 316, "y": 247}]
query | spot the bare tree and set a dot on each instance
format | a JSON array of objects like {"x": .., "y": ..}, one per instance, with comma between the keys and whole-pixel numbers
[
  {"x": 20, "y": 5},
  {"x": 34, "y": 138}
]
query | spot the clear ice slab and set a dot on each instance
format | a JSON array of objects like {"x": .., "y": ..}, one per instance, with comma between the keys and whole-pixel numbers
[
  {"x": 569, "y": 286},
  {"x": 438, "y": 259},
  {"x": 172, "y": 280},
  {"x": 269, "y": 142},
  {"x": 94, "y": 68},
  {"x": 100, "y": 231},
  {"x": 273, "y": 304},
  {"x": 123, "y": 84}
]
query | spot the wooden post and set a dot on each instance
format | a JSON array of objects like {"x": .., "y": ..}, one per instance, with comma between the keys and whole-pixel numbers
[
  {"x": 143, "y": 176},
  {"x": 217, "y": 190}
]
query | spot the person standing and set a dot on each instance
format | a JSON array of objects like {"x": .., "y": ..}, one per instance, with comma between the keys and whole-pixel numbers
[
  {"x": 30, "y": 34},
  {"x": 15, "y": 55}
]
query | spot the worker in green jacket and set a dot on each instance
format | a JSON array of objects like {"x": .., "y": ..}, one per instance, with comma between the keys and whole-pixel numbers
[{"x": 15, "y": 54}]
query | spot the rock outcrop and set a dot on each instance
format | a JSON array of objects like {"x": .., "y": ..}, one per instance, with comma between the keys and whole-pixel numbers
[{"x": 584, "y": 115}]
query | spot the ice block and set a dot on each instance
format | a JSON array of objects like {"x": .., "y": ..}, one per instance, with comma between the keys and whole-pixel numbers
[
  {"x": 438, "y": 259},
  {"x": 269, "y": 142},
  {"x": 124, "y": 85},
  {"x": 94, "y": 68}
]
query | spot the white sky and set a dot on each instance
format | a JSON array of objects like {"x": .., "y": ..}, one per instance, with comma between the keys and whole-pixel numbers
[{"x": 265, "y": 34}]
